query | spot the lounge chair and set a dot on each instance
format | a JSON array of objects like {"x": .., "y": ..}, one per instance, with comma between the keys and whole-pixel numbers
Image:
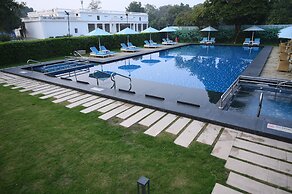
[
  {"x": 96, "y": 53},
  {"x": 256, "y": 42},
  {"x": 246, "y": 42},
  {"x": 125, "y": 48},
  {"x": 211, "y": 41},
  {"x": 166, "y": 42},
  {"x": 103, "y": 49},
  {"x": 130, "y": 45},
  {"x": 148, "y": 45},
  {"x": 204, "y": 40}
]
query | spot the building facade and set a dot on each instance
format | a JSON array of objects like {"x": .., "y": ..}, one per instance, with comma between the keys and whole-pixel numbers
[{"x": 61, "y": 22}]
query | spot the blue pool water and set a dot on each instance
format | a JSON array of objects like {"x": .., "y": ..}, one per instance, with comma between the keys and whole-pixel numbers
[{"x": 212, "y": 68}]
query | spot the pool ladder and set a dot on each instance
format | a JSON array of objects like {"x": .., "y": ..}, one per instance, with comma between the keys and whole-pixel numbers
[
  {"x": 260, "y": 104},
  {"x": 30, "y": 61}
]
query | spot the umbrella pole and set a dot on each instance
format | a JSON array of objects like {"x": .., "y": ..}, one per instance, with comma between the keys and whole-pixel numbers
[
  {"x": 99, "y": 43},
  {"x": 150, "y": 36},
  {"x": 127, "y": 39},
  {"x": 252, "y": 36},
  {"x": 208, "y": 35}
]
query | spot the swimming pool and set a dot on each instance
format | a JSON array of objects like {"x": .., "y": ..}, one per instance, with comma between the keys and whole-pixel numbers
[{"x": 211, "y": 68}]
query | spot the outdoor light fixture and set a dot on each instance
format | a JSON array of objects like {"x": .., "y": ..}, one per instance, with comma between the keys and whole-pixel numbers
[
  {"x": 142, "y": 183},
  {"x": 68, "y": 14}
]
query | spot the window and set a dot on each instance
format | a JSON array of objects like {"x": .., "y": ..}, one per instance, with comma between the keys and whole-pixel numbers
[
  {"x": 98, "y": 17},
  {"x": 139, "y": 18},
  {"x": 77, "y": 14},
  {"x": 91, "y": 27},
  {"x": 99, "y": 26},
  {"x": 76, "y": 30},
  {"x": 107, "y": 27}
]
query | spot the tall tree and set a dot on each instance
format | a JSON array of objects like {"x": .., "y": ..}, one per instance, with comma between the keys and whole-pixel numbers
[
  {"x": 239, "y": 12},
  {"x": 281, "y": 12},
  {"x": 94, "y": 4},
  {"x": 10, "y": 15},
  {"x": 152, "y": 12},
  {"x": 135, "y": 7}
]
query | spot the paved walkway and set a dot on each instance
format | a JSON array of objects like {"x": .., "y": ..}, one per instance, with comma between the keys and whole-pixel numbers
[{"x": 256, "y": 164}]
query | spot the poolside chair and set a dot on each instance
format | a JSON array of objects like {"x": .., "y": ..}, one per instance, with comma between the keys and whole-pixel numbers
[
  {"x": 211, "y": 41},
  {"x": 148, "y": 45},
  {"x": 256, "y": 42},
  {"x": 246, "y": 42},
  {"x": 154, "y": 43},
  {"x": 125, "y": 48},
  {"x": 165, "y": 42},
  {"x": 103, "y": 49},
  {"x": 130, "y": 45},
  {"x": 204, "y": 40},
  {"x": 96, "y": 53}
]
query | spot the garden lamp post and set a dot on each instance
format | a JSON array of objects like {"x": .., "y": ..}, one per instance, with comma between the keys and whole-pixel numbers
[{"x": 68, "y": 14}]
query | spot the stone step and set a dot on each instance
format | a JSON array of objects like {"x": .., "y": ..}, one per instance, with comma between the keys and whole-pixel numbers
[
  {"x": 80, "y": 102},
  {"x": 158, "y": 127},
  {"x": 263, "y": 174},
  {"x": 55, "y": 94},
  {"x": 115, "y": 111},
  {"x": 262, "y": 160},
  {"x": 66, "y": 94},
  {"x": 221, "y": 189},
  {"x": 67, "y": 97},
  {"x": 136, "y": 117},
  {"x": 152, "y": 118},
  {"x": 189, "y": 134},
  {"x": 251, "y": 186},
  {"x": 129, "y": 112},
  {"x": 93, "y": 102},
  {"x": 209, "y": 134},
  {"x": 44, "y": 90},
  {"x": 178, "y": 125},
  {"x": 79, "y": 98},
  {"x": 224, "y": 144},
  {"x": 97, "y": 106},
  {"x": 110, "y": 107}
]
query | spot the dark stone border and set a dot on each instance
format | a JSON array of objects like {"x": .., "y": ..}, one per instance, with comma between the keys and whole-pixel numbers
[{"x": 211, "y": 115}]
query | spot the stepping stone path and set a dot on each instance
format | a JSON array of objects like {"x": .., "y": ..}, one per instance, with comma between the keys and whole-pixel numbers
[{"x": 257, "y": 164}]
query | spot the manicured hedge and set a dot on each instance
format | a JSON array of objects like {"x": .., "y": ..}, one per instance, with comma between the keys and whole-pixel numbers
[{"x": 20, "y": 51}]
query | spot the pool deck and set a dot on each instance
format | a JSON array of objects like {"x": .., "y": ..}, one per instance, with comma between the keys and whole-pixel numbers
[{"x": 190, "y": 108}]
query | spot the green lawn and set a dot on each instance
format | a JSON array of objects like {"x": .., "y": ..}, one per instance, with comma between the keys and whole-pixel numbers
[{"x": 47, "y": 148}]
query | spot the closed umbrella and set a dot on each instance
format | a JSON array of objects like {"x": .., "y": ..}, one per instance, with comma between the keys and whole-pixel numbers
[
  {"x": 286, "y": 33},
  {"x": 127, "y": 31},
  {"x": 209, "y": 29},
  {"x": 98, "y": 32},
  {"x": 253, "y": 29},
  {"x": 150, "y": 30},
  {"x": 167, "y": 29}
]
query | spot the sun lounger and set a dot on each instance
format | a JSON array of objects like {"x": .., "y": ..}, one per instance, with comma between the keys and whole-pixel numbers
[
  {"x": 246, "y": 42},
  {"x": 103, "y": 49},
  {"x": 125, "y": 48},
  {"x": 96, "y": 53},
  {"x": 148, "y": 45},
  {"x": 167, "y": 42},
  {"x": 204, "y": 40},
  {"x": 130, "y": 45},
  {"x": 256, "y": 42},
  {"x": 211, "y": 41}
]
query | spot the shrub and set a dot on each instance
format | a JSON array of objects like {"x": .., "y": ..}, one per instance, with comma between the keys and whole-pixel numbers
[{"x": 4, "y": 38}]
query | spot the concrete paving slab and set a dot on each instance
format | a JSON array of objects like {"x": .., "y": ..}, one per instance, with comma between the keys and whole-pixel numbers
[
  {"x": 158, "y": 127},
  {"x": 209, "y": 134},
  {"x": 79, "y": 98},
  {"x": 32, "y": 87},
  {"x": 80, "y": 102},
  {"x": 262, "y": 149},
  {"x": 267, "y": 141},
  {"x": 45, "y": 86},
  {"x": 67, "y": 97},
  {"x": 262, "y": 160},
  {"x": 224, "y": 144},
  {"x": 251, "y": 186},
  {"x": 256, "y": 172},
  {"x": 136, "y": 117},
  {"x": 66, "y": 94},
  {"x": 44, "y": 90},
  {"x": 129, "y": 112},
  {"x": 97, "y": 106},
  {"x": 178, "y": 125},
  {"x": 152, "y": 118},
  {"x": 115, "y": 111},
  {"x": 221, "y": 189},
  {"x": 55, "y": 94},
  {"x": 110, "y": 107},
  {"x": 93, "y": 102},
  {"x": 189, "y": 134},
  {"x": 53, "y": 91}
]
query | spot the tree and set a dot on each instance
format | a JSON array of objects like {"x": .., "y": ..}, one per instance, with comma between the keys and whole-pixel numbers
[
  {"x": 281, "y": 12},
  {"x": 238, "y": 12},
  {"x": 152, "y": 12},
  {"x": 135, "y": 7},
  {"x": 94, "y": 4},
  {"x": 10, "y": 15}
]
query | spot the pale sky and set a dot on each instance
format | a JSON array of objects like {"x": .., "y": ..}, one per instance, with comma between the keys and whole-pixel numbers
[{"x": 116, "y": 5}]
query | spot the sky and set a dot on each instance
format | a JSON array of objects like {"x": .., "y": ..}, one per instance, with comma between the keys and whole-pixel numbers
[{"x": 116, "y": 5}]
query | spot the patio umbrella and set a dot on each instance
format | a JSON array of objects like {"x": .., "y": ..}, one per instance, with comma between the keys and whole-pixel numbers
[
  {"x": 98, "y": 32},
  {"x": 167, "y": 29},
  {"x": 127, "y": 31},
  {"x": 129, "y": 67},
  {"x": 253, "y": 29},
  {"x": 209, "y": 29},
  {"x": 286, "y": 33},
  {"x": 150, "y": 30},
  {"x": 150, "y": 61}
]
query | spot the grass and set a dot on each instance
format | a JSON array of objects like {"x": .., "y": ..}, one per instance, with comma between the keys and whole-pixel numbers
[{"x": 47, "y": 148}]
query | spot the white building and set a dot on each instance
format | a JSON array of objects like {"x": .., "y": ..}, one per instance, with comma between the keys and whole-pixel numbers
[{"x": 52, "y": 23}]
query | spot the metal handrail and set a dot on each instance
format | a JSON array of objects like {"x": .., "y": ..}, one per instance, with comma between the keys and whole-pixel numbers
[
  {"x": 32, "y": 60},
  {"x": 228, "y": 92},
  {"x": 260, "y": 104}
]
